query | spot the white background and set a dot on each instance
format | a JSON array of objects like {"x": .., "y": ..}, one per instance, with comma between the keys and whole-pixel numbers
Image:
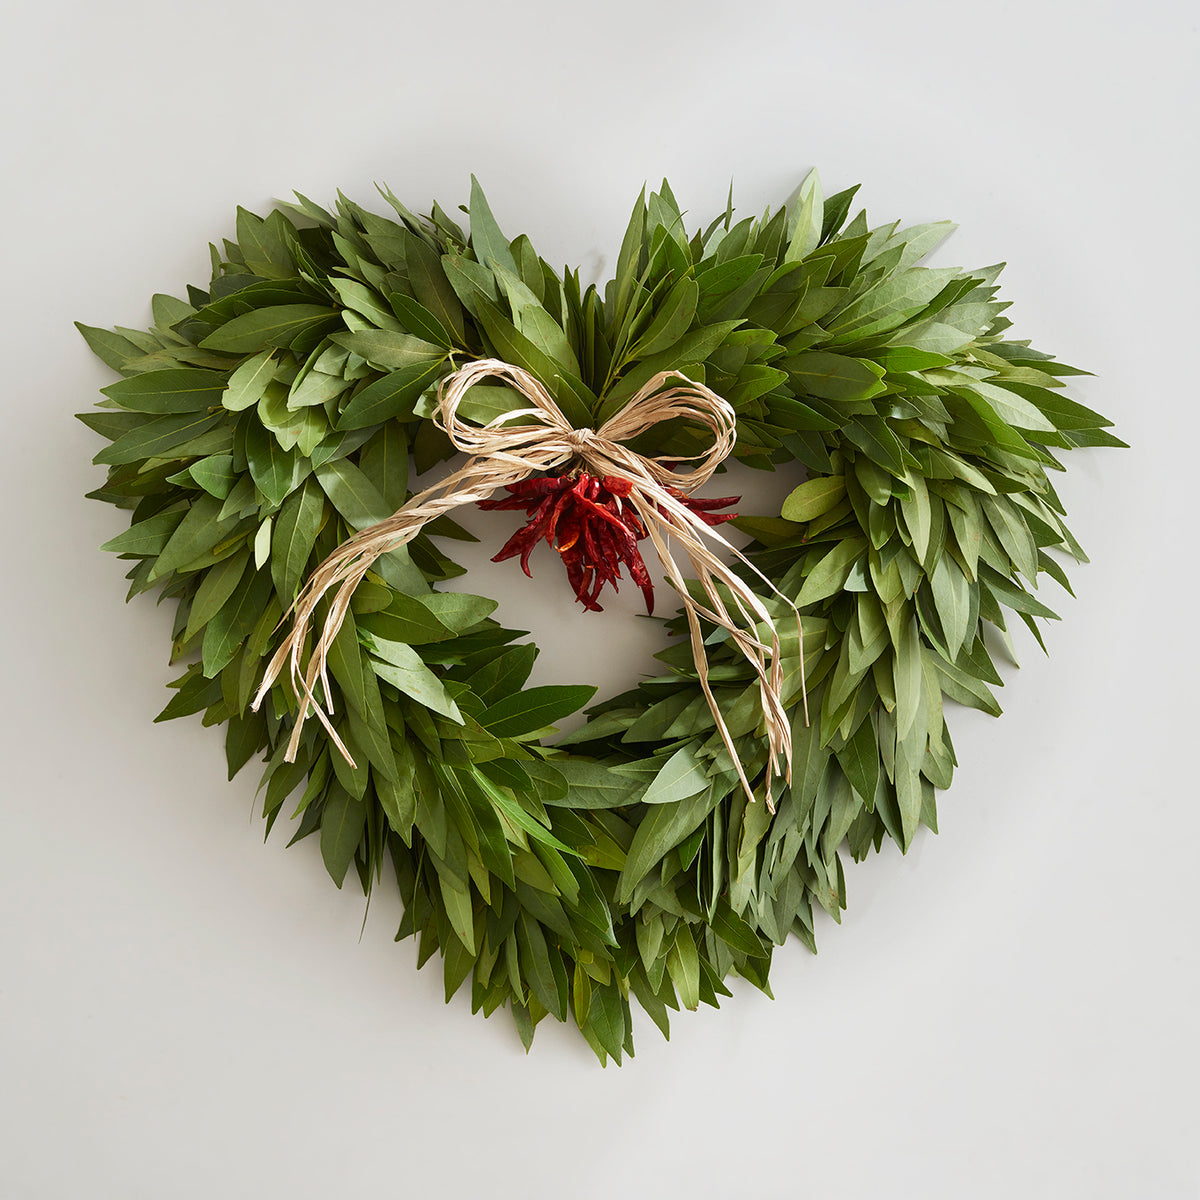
[{"x": 1007, "y": 1011}]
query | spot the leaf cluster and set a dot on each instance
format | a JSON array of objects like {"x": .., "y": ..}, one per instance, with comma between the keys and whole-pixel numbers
[{"x": 264, "y": 419}]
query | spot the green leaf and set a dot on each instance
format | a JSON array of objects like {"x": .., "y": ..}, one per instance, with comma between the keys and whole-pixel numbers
[
  {"x": 147, "y": 538},
  {"x": 662, "y": 829},
  {"x": 194, "y": 694},
  {"x": 403, "y": 668},
  {"x": 111, "y": 348},
  {"x": 407, "y": 619},
  {"x": 313, "y": 387},
  {"x": 628, "y": 258},
  {"x": 417, "y": 319},
  {"x": 235, "y": 622},
  {"x": 387, "y": 350},
  {"x": 365, "y": 301},
  {"x": 392, "y": 396},
  {"x": 352, "y": 494},
  {"x": 1008, "y": 406},
  {"x": 1014, "y": 535},
  {"x": 872, "y": 435},
  {"x": 830, "y": 574},
  {"x": 608, "y": 1022},
  {"x": 490, "y": 245},
  {"x": 814, "y": 498},
  {"x": 681, "y": 776},
  {"x": 535, "y": 962},
  {"x": 248, "y": 383},
  {"x": 384, "y": 461},
  {"x": 952, "y": 599},
  {"x": 398, "y": 797},
  {"x": 534, "y": 709},
  {"x": 736, "y": 932},
  {"x": 263, "y": 245},
  {"x": 296, "y": 530},
  {"x": 110, "y": 423},
  {"x": 1066, "y": 414},
  {"x": 809, "y": 758},
  {"x": 503, "y": 674},
  {"x": 908, "y": 795},
  {"x": 904, "y": 358},
  {"x": 907, "y": 673},
  {"x": 261, "y": 328},
  {"x": 581, "y": 994},
  {"x": 859, "y": 758},
  {"x": 459, "y": 611},
  {"x": 433, "y": 289},
  {"x": 771, "y": 531},
  {"x": 1010, "y": 593},
  {"x": 919, "y": 240},
  {"x": 200, "y": 531},
  {"x": 808, "y": 214},
  {"x": 596, "y": 785},
  {"x": 535, "y": 323},
  {"x": 519, "y": 817},
  {"x": 433, "y": 617},
  {"x": 275, "y": 471},
  {"x": 683, "y": 965},
  {"x": 671, "y": 322},
  {"x": 342, "y": 822},
  {"x": 346, "y": 665},
  {"x": 917, "y": 514},
  {"x": 456, "y": 896},
  {"x": 214, "y": 474},
  {"x": 890, "y": 302},
  {"x": 157, "y": 437},
  {"x": 215, "y": 589},
  {"x": 834, "y": 376},
  {"x": 473, "y": 283},
  {"x": 178, "y": 390}
]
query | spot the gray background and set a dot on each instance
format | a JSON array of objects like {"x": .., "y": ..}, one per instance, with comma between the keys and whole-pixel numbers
[{"x": 1006, "y": 1011}]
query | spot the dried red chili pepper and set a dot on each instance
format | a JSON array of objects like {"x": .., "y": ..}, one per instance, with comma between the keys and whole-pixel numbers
[{"x": 584, "y": 518}]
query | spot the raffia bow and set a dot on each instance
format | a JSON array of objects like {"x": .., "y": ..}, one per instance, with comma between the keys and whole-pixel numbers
[{"x": 504, "y": 453}]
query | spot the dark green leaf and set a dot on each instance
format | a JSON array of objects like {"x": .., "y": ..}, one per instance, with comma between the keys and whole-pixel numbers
[
  {"x": 148, "y": 537},
  {"x": 860, "y": 761},
  {"x": 834, "y": 376},
  {"x": 417, "y": 319},
  {"x": 387, "y": 350},
  {"x": 392, "y": 396},
  {"x": 681, "y": 776},
  {"x": 275, "y": 471},
  {"x": 662, "y": 829},
  {"x": 342, "y": 823},
  {"x": 595, "y": 785},
  {"x": 179, "y": 390},
  {"x": 296, "y": 529},
  {"x": 490, "y": 245},
  {"x": 534, "y": 709},
  {"x": 262, "y": 328},
  {"x": 157, "y": 437}
]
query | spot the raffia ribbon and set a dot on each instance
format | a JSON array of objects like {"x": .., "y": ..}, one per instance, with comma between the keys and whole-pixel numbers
[{"x": 504, "y": 453}]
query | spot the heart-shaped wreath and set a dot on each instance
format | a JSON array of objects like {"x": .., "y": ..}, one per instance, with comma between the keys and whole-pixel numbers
[{"x": 262, "y": 436}]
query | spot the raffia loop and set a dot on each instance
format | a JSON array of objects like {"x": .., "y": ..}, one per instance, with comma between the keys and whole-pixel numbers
[{"x": 504, "y": 452}]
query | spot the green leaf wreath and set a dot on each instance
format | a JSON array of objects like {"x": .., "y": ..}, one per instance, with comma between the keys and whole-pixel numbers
[{"x": 265, "y": 419}]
